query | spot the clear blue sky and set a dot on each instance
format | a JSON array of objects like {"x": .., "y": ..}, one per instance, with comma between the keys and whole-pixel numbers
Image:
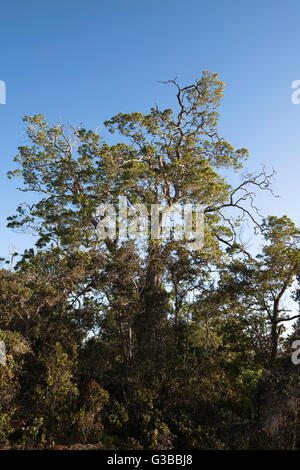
[{"x": 85, "y": 61}]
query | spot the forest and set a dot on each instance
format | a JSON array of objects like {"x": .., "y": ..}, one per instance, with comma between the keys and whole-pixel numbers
[{"x": 118, "y": 343}]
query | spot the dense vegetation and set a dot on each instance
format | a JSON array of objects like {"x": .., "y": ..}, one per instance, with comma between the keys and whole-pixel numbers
[{"x": 115, "y": 344}]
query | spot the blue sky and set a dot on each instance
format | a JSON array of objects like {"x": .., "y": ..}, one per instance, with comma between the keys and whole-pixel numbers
[{"x": 86, "y": 61}]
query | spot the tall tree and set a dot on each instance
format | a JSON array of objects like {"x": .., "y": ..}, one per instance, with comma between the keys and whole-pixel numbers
[{"x": 166, "y": 157}]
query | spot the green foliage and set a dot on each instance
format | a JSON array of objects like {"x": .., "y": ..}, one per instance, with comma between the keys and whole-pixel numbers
[
  {"x": 117, "y": 345},
  {"x": 56, "y": 396}
]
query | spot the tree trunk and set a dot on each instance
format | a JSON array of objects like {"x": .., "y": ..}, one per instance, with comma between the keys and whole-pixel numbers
[
  {"x": 151, "y": 319},
  {"x": 274, "y": 332}
]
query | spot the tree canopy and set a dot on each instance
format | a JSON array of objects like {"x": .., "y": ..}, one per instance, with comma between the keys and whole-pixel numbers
[{"x": 114, "y": 344}]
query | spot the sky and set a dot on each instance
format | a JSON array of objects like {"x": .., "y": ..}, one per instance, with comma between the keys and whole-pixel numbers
[{"x": 83, "y": 62}]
